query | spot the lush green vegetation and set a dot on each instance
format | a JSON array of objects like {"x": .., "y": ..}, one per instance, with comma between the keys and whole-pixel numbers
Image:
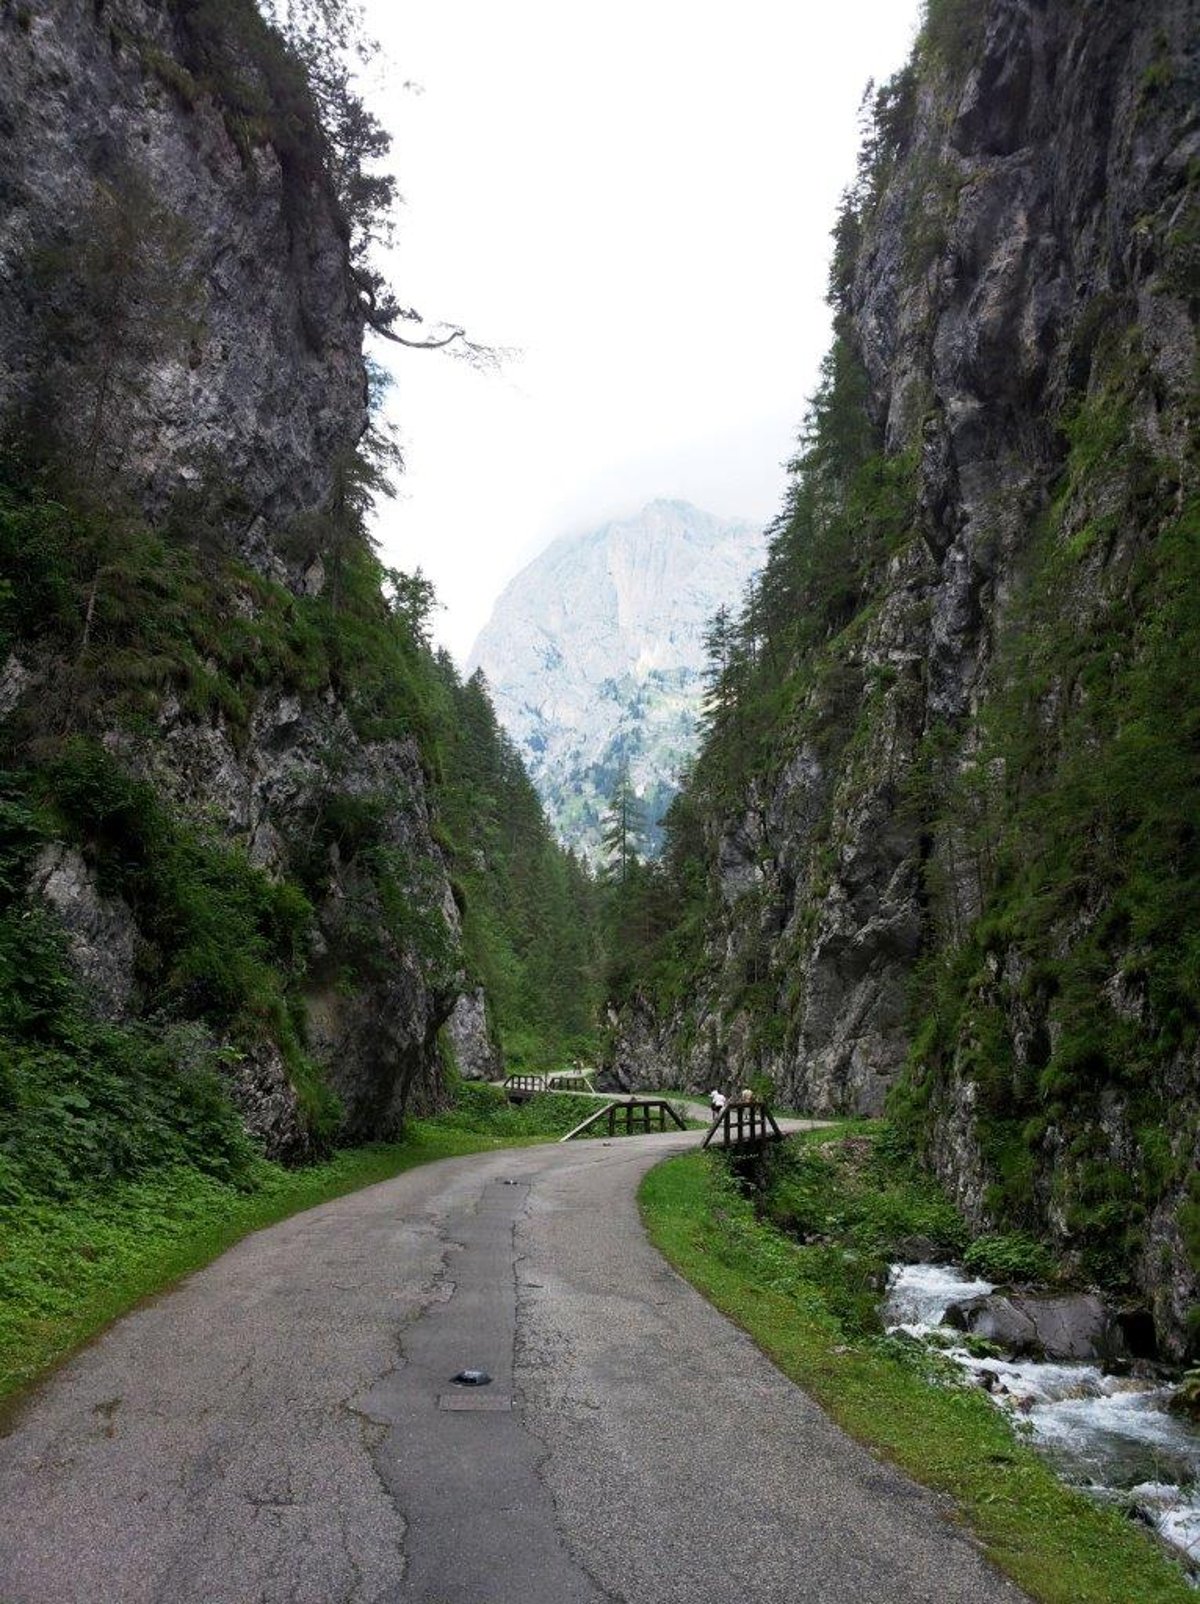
[
  {"x": 810, "y": 1304},
  {"x": 484, "y": 1109},
  {"x": 97, "y": 1226},
  {"x": 222, "y": 951},
  {"x": 531, "y": 910},
  {"x": 220, "y": 944},
  {"x": 856, "y": 1191}
]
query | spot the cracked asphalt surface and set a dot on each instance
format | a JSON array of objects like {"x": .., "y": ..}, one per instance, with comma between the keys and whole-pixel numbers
[{"x": 282, "y": 1428}]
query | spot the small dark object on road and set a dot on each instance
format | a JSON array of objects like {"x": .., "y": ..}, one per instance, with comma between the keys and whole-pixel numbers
[{"x": 472, "y": 1378}]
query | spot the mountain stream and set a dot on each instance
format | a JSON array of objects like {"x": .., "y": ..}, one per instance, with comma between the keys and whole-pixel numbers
[{"x": 1111, "y": 1435}]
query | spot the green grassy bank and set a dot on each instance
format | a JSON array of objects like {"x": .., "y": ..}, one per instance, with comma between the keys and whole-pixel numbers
[
  {"x": 68, "y": 1267},
  {"x": 807, "y": 1293}
]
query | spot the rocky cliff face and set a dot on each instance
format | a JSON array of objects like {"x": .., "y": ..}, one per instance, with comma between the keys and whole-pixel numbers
[
  {"x": 177, "y": 300},
  {"x": 950, "y": 879},
  {"x": 595, "y": 655},
  {"x": 181, "y": 345},
  {"x": 472, "y": 1040}
]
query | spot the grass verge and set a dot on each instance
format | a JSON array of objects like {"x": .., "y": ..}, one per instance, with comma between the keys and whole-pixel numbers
[
  {"x": 1054, "y": 1542},
  {"x": 69, "y": 1267}
]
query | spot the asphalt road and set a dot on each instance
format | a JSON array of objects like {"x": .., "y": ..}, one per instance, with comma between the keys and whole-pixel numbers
[{"x": 283, "y": 1428}]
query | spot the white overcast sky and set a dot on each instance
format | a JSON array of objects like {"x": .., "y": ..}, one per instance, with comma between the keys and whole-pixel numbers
[{"x": 638, "y": 197}]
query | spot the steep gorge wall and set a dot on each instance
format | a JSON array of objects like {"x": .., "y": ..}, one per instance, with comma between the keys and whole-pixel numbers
[
  {"x": 137, "y": 196},
  {"x": 204, "y": 673},
  {"x": 966, "y": 871}
]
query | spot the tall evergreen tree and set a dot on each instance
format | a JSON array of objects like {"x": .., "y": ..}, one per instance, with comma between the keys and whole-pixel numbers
[{"x": 624, "y": 828}]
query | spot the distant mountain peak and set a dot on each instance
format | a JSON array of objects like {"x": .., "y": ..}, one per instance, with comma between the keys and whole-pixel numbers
[{"x": 594, "y": 655}]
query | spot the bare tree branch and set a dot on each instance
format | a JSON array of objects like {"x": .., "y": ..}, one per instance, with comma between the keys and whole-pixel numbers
[{"x": 416, "y": 345}]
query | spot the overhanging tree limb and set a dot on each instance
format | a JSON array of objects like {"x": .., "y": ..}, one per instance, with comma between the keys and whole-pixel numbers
[
  {"x": 328, "y": 41},
  {"x": 382, "y": 311},
  {"x": 418, "y": 345}
]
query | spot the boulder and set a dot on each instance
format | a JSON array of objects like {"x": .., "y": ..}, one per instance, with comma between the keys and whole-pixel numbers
[{"x": 1073, "y": 1326}]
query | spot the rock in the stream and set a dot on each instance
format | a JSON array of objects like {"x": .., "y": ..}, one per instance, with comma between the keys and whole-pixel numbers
[
  {"x": 1077, "y": 1326},
  {"x": 917, "y": 1249}
]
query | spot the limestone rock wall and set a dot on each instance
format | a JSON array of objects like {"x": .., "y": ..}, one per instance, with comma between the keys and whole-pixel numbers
[
  {"x": 178, "y": 319},
  {"x": 1040, "y": 201},
  {"x": 477, "y": 1056},
  {"x": 175, "y": 297}
]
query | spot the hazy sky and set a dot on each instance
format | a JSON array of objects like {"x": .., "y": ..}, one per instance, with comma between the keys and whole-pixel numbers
[{"x": 638, "y": 197}]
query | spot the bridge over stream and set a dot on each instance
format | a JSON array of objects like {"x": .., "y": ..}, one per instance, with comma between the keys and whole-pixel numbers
[{"x": 283, "y": 1427}]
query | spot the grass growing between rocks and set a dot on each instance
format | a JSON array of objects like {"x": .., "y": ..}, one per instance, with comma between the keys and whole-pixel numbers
[
  {"x": 808, "y": 1306},
  {"x": 70, "y": 1266}
]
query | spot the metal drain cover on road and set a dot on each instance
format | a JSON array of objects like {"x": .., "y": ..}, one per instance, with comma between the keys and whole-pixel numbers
[{"x": 492, "y": 1403}]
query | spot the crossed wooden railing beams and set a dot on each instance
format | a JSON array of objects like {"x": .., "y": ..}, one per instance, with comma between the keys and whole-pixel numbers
[
  {"x": 637, "y": 1112},
  {"x": 744, "y": 1123}
]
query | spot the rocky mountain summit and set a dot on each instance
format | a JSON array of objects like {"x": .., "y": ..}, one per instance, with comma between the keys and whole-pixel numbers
[{"x": 594, "y": 655}]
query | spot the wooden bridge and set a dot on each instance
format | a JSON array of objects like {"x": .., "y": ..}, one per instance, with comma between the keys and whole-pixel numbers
[
  {"x": 636, "y": 1111},
  {"x": 745, "y": 1123},
  {"x": 570, "y": 1080},
  {"x": 517, "y": 1088}
]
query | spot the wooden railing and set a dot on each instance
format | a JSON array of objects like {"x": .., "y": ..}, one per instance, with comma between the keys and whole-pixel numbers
[
  {"x": 518, "y": 1087},
  {"x": 635, "y": 1110},
  {"x": 745, "y": 1123},
  {"x": 569, "y": 1080}
]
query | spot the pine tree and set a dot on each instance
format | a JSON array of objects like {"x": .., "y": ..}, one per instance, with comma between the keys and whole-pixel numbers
[{"x": 623, "y": 828}]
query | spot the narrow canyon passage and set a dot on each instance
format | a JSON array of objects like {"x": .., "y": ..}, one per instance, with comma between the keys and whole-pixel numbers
[{"x": 283, "y": 1429}]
